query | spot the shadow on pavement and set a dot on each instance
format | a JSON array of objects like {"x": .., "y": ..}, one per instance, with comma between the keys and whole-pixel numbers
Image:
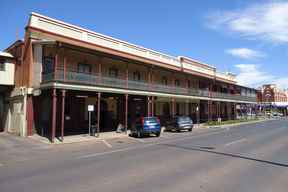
[{"x": 208, "y": 150}]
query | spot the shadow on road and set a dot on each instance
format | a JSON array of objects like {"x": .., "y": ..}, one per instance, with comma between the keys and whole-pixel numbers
[{"x": 209, "y": 150}]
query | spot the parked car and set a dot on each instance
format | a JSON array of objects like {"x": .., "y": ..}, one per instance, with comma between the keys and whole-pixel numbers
[
  {"x": 146, "y": 126},
  {"x": 277, "y": 114},
  {"x": 179, "y": 123}
]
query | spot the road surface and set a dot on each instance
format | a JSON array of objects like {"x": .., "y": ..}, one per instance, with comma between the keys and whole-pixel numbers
[{"x": 244, "y": 158}]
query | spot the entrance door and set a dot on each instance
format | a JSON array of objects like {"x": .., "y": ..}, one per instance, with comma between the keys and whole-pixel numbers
[{"x": 137, "y": 108}]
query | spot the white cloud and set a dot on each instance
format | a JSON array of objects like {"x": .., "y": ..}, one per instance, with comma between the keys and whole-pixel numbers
[
  {"x": 281, "y": 82},
  {"x": 245, "y": 53},
  {"x": 266, "y": 21},
  {"x": 251, "y": 75}
]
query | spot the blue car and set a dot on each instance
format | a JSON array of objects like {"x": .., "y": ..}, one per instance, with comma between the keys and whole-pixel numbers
[{"x": 146, "y": 126}]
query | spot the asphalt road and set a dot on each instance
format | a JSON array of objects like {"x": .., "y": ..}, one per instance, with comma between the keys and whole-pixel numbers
[{"x": 244, "y": 158}]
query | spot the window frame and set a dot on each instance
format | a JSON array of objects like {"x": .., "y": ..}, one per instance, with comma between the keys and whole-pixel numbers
[
  {"x": 85, "y": 66},
  {"x": 2, "y": 65},
  {"x": 136, "y": 76},
  {"x": 164, "y": 80},
  {"x": 177, "y": 83},
  {"x": 44, "y": 64},
  {"x": 113, "y": 72}
]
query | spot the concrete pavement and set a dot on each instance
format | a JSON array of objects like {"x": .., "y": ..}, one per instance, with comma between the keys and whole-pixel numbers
[{"x": 244, "y": 158}]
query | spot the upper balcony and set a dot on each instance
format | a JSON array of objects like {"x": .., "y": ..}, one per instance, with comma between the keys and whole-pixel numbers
[
  {"x": 103, "y": 80},
  {"x": 42, "y": 27}
]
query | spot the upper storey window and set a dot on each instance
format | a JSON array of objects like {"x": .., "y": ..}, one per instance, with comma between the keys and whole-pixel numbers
[
  {"x": 2, "y": 65},
  {"x": 84, "y": 68},
  {"x": 113, "y": 72},
  {"x": 177, "y": 82},
  {"x": 136, "y": 76},
  {"x": 48, "y": 64},
  {"x": 188, "y": 83},
  {"x": 164, "y": 81}
]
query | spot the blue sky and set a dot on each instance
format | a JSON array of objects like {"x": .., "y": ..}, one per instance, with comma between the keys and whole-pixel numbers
[{"x": 248, "y": 38}]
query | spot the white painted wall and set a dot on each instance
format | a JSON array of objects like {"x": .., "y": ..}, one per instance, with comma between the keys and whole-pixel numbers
[
  {"x": 37, "y": 65},
  {"x": 7, "y": 76}
]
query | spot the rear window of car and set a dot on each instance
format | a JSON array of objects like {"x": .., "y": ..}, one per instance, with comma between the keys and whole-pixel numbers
[
  {"x": 184, "y": 119},
  {"x": 151, "y": 119}
]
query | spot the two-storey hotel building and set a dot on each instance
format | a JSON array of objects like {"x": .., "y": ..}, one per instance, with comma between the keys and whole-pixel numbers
[{"x": 64, "y": 68}]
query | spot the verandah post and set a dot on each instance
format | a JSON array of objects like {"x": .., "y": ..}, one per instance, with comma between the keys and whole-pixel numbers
[
  {"x": 54, "y": 111},
  {"x": 63, "y": 115}
]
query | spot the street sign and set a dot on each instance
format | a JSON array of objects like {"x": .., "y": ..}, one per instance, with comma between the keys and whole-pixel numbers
[{"x": 90, "y": 107}]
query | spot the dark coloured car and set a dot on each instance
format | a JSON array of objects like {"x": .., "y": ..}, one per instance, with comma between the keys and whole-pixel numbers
[
  {"x": 179, "y": 123},
  {"x": 146, "y": 126}
]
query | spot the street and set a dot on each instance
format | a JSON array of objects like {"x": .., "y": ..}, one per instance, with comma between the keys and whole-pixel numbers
[{"x": 249, "y": 157}]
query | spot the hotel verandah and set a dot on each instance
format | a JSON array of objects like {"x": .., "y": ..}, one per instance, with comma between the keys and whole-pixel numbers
[{"x": 62, "y": 68}]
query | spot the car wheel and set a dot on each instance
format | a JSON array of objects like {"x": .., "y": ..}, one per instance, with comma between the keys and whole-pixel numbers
[
  {"x": 157, "y": 134},
  {"x": 190, "y": 130}
]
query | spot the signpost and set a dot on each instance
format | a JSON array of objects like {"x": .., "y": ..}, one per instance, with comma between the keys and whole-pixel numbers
[
  {"x": 197, "y": 114},
  {"x": 90, "y": 109}
]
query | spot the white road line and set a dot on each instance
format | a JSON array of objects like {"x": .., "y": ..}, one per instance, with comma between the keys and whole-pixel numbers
[
  {"x": 143, "y": 146},
  {"x": 106, "y": 143},
  {"x": 235, "y": 142},
  {"x": 136, "y": 139},
  {"x": 110, "y": 152}
]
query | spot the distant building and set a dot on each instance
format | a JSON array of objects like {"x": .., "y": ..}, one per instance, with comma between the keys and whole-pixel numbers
[{"x": 271, "y": 96}]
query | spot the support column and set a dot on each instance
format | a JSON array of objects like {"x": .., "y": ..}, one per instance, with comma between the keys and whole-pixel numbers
[
  {"x": 126, "y": 113},
  {"x": 98, "y": 113},
  {"x": 149, "y": 78},
  {"x": 229, "y": 110},
  {"x": 148, "y": 106},
  {"x": 30, "y": 115},
  {"x": 173, "y": 107},
  {"x": 64, "y": 67},
  {"x": 63, "y": 115},
  {"x": 187, "y": 108},
  {"x": 54, "y": 111},
  {"x": 56, "y": 64},
  {"x": 152, "y": 106},
  {"x": 218, "y": 110},
  {"x": 100, "y": 70},
  {"x": 127, "y": 76},
  {"x": 198, "y": 113},
  {"x": 209, "y": 110}
]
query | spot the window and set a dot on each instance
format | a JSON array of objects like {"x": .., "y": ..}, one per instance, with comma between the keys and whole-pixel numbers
[
  {"x": 48, "y": 65},
  {"x": 177, "y": 82},
  {"x": 164, "y": 81},
  {"x": 136, "y": 76},
  {"x": 84, "y": 68},
  {"x": 188, "y": 83},
  {"x": 2, "y": 65},
  {"x": 113, "y": 72}
]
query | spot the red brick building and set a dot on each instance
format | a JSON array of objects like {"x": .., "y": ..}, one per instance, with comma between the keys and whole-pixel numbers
[{"x": 270, "y": 95}]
